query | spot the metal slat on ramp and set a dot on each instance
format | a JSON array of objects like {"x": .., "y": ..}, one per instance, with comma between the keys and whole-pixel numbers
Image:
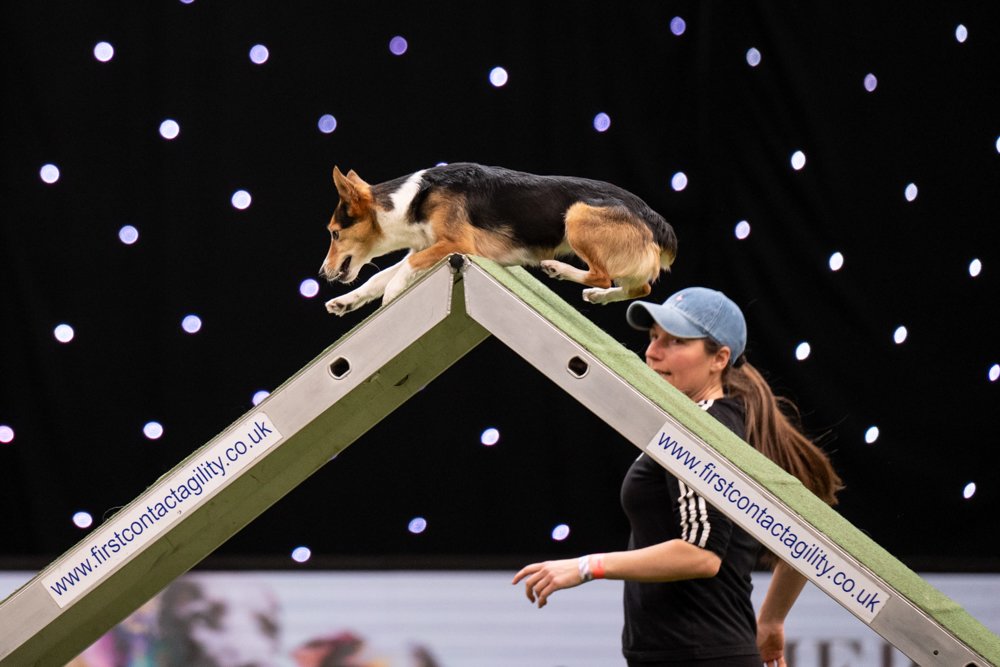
[
  {"x": 331, "y": 402},
  {"x": 583, "y": 373},
  {"x": 356, "y": 383}
]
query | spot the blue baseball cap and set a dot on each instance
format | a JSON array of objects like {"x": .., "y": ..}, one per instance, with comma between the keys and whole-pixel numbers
[{"x": 695, "y": 312}]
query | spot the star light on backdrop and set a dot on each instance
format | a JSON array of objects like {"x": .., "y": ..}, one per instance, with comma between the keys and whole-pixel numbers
[
  {"x": 64, "y": 333},
  {"x": 128, "y": 235},
  {"x": 191, "y": 324},
  {"x": 679, "y": 181},
  {"x": 266, "y": 127},
  {"x": 398, "y": 45},
  {"x": 259, "y": 54},
  {"x": 994, "y": 373},
  {"x": 49, "y": 173},
  {"x": 742, "y": 229},
  {"x": 327, "y": 123},
  {"x": 169, "y": 129},
  {"x": 417, "y": 525},
  {"x": 309, "y": 288},
  {"x": 104, "y": 52},
  {"x": 499, "y": 77},
  {"x": 241, "y": 200}
]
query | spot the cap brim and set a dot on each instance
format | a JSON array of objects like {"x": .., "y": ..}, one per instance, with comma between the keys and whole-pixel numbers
[{"x": 641, "y": 315}]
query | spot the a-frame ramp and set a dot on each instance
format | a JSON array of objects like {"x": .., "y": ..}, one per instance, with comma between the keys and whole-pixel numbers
[{"x": 380, "y": 364}]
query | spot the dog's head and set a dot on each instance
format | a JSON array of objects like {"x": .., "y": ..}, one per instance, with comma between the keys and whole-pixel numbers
[{"x": 354, "y": 230}]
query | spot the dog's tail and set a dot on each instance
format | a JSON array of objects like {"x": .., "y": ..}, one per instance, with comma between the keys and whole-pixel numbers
[{"x": 663, "y": 236}]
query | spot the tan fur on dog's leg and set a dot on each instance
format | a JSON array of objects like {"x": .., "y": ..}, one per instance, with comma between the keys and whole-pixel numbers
[
  {"x": 600, "y": 236},
  {"x": 425, "y": 259},
  {"x": 617, "y": 247}
]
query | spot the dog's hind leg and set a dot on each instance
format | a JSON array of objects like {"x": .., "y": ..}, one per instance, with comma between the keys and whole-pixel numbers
[
  {"x": 584, "y": 234},
  {"x": 617, "y": 248}
]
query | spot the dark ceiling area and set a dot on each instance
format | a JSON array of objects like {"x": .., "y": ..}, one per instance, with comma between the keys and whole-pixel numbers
[{"x": 834, "y": 168}]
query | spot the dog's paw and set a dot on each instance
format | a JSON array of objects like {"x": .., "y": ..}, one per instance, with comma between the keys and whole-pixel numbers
[
  {"x": 552, "y": 268},
  {"x": 343, "y": 304},
  {"x": 602, "y": 296}
]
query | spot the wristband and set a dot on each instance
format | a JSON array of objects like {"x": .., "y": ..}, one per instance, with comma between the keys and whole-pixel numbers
[
  {"x": 597, "y": 566},
  {"x": 590, "y": 567}
]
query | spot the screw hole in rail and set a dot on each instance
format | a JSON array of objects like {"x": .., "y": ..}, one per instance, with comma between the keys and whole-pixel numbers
[
  {"x": 340, "y": 368},
  {"x": 577, "y": 367}
]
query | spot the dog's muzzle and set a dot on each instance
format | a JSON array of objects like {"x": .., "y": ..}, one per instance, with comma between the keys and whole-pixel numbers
[{"x": 342, "y": 272}]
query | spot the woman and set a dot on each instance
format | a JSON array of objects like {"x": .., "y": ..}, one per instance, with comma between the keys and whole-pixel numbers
[{"x": 687, "y": 573}]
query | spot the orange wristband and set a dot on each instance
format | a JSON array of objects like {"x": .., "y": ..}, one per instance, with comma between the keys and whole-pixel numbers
[{"x": 597, "y": 566}]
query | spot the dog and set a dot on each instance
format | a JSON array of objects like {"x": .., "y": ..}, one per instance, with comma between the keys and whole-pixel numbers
[{"x": 510, "y": 217}]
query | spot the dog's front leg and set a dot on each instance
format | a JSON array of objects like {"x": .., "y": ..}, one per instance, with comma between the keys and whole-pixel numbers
[
  {"x": 402, "y": 279},
  {"x": 372, "y": 289},
  {"x": 418, "y": 263}
]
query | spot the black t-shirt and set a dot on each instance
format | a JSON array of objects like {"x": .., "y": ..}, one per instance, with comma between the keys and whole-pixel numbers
[{"x": 696, "y": 618}]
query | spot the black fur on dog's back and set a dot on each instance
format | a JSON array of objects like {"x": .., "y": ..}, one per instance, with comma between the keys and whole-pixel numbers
[{"x": 530, "y": 208}]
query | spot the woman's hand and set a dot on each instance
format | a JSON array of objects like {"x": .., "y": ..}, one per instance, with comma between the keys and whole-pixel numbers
[
  {"x": 771, "y": 643},
  {"x": 784, "y": 589},
  {"x": 543, "y": 579}
]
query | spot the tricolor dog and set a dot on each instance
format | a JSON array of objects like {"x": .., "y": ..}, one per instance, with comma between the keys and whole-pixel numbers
[{"x": 508, "y": 216}]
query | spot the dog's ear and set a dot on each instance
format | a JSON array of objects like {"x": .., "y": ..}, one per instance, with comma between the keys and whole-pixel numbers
[
  {"x": 347, "y": 189},
  {"x": 353, "y": 176}
]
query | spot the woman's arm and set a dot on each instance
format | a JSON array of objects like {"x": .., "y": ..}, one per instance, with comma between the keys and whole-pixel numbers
[
  {"x": 668, "y": 561},
  {"x": 786, "y": 584}
]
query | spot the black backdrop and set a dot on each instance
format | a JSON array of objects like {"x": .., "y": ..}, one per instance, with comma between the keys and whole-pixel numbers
[{"x": 686, "y": 103}]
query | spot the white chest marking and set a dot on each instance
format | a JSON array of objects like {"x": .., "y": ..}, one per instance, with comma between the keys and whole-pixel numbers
[{"x": 399, "y": 231}]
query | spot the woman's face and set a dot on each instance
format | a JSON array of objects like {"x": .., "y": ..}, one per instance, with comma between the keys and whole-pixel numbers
[{"x": 686, "y": 364}]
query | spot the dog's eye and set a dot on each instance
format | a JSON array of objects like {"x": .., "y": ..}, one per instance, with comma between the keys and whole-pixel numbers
[{"x": 335, "y": 234}]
